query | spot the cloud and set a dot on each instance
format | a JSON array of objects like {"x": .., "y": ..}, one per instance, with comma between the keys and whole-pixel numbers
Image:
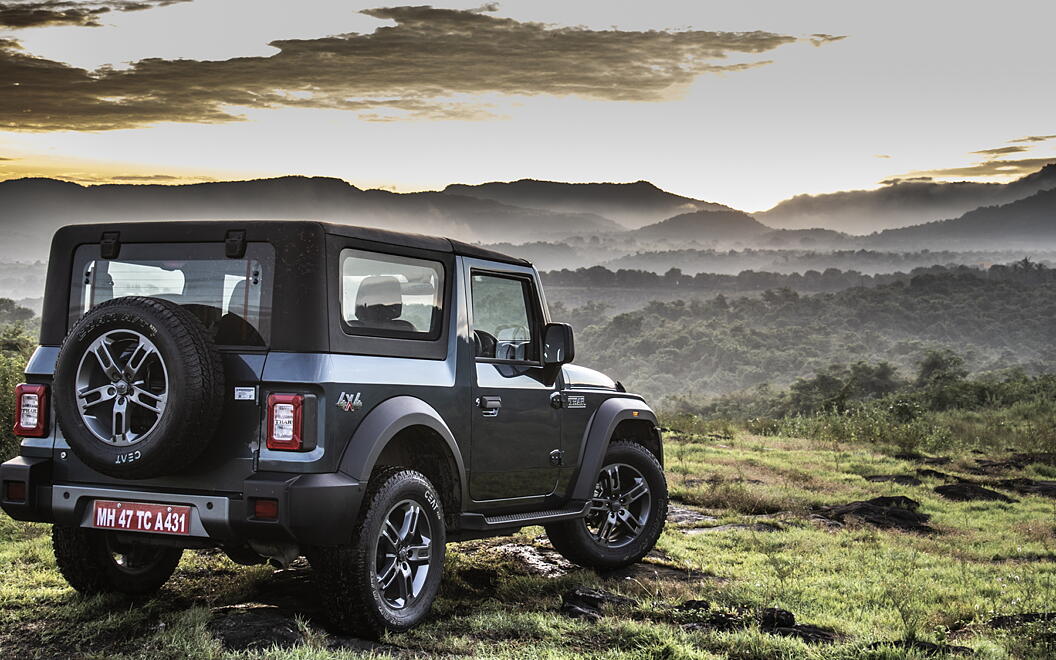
[
  {"x": 2, "y": 158},
  {"x": 427, "y": 65},
  {"x": 31, "y": 13},
  {"x": 906, "y": 179},
  {"x": 822, "y": 39},
  {"x": 885, "y": 156},
  {"x": 146, "y": 177},
  {"x": 1035, "y": 138},
  {"x": 988, "y": 168},
  {"x": 1001, "y": 151}
]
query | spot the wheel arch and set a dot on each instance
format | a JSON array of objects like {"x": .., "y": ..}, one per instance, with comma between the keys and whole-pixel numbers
[
  {"x": 615, "y": 419},
  {"x": 405, "y": 430}
]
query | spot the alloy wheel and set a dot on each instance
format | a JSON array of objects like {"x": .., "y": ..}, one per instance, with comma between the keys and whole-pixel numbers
[
  {"x": 403, "y": 551},
  {"x": 619, "y": 508}
]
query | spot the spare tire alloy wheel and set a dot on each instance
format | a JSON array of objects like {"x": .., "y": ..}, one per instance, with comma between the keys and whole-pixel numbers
[
  {"x": 139, "y": 388},
  {"x": 122, "y": 387}
]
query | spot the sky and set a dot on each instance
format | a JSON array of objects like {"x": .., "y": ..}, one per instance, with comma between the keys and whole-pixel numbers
[{"x": 743, "y": 102}]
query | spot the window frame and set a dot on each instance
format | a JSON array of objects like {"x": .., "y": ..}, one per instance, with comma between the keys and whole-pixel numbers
[
  {"x": 342, "y": 342},
  {"x": 261, "y": 251},
  {"x": 533, "y": 310},
  {"x": 436, "y": 322}
]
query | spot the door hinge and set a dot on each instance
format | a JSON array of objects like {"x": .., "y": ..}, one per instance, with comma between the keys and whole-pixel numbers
[{"x": 557, "y": 457}]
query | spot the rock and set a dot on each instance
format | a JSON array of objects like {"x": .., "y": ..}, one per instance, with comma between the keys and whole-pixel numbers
[
  {"x": 254, "y": 627},
  {"x": 1013, "y": 462},
  {"x": 1016, "y": 620},
  {"x": 1025, "y": 486},
  {"x": 934, "y": 474},
  {"x": 927, "y": 648},
  {"x": 900, "y": 479},
  {"x": 753, "y": 527},
  {"x": 773, "y": 617},
  {"x": 693, "y": 606},
  {"x": 969, "y": 492},
  {"x": 720, "y": 621},
  {"x": 935, "y": 460},
  {"x": 590, "y": 604},
  {"x": 883, "y": 512},
  {"x": 679, "y": 515},
  {"x": 807, "y": 633}
]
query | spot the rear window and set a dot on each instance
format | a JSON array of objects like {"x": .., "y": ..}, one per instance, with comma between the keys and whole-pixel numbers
[
  {"x": 386, "y": 295},
  {"x": 231, "y": 297}
]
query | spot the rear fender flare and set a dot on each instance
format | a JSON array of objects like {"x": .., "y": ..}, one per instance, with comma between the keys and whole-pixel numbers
[
  {"x": 382, "y": 424},
  {"x": 596, "y": 439}
]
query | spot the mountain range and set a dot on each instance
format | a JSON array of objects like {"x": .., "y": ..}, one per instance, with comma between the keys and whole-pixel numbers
[{"x": 633, "y": 216}]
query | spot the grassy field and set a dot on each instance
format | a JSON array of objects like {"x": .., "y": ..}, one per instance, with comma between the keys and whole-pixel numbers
[{"x": 743, "y": 536}]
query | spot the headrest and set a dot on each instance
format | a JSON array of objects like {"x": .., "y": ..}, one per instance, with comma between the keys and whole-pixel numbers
[{"x": 379, "y": 298}]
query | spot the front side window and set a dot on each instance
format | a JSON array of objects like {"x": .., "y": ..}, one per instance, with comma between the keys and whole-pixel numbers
[
  {"x": 502, "y": 327},
  {"x": 231, "y": 297},
  {"x": 386, "y": 295}
]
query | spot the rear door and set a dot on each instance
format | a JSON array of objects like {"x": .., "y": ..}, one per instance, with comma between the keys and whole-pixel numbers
[{"x": 515, "y": 429}]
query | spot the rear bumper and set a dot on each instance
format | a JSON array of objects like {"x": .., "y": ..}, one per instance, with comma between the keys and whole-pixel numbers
[{"x": 313, "y": 509}]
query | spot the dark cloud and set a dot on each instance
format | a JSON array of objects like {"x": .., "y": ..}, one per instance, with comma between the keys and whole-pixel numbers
[
  {"x": 145, "y": 177},
  {"x": 1001, "y": 151},
  {"x": 418, "y": 68},
  {"x": 906, "y": 179},
  {"x": 1035, "y": 138},
  {"x": 34, "y": 13},
  {"x": 988, "y": 168}
]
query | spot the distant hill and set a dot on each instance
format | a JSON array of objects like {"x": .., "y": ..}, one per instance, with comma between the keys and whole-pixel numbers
[
  {"x": 31, "y": 209},
  {"x": 633, "y": 205},
  {"x": 900, "y": 204},
  {"x": 1028, "y": 223},
  {"x": 704, "y": 227}
]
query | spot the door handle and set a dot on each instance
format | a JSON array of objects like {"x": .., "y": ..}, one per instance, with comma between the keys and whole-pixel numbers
[{"x": 490, "y": 405}]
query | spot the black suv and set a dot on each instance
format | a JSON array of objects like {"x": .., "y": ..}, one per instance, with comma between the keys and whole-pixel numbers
[{"x": 356, "y": 396}]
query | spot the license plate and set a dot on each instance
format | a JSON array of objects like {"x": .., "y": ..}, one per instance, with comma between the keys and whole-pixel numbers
[{"x": 142, "y": 517}]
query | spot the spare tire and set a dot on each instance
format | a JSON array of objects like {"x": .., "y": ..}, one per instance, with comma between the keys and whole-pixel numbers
[{"x": 139, "y": 388}]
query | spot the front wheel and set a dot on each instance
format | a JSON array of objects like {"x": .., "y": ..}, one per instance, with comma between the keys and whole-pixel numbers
[
  {"x": 387, "y": 577},
  {"x": 627, "y": 512},
  {"x": 95, "y": 561}
]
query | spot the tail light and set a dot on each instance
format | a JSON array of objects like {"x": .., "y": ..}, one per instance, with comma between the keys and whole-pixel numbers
[
  {"x": 31, "y": 411},
  {"x": 285, "y": 422},
  {"x": 265, "y": 509},
  {"x": 15, "y": 491}
]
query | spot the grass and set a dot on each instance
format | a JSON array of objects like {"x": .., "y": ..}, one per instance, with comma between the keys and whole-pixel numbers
[{"x": 869, "y": 586}]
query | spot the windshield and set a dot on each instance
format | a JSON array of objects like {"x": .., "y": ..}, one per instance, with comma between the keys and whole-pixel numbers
[{"x": 231, "y": 297}]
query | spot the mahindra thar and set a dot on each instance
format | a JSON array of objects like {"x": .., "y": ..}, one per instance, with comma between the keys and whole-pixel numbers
[{"x": 282, "y": 389}]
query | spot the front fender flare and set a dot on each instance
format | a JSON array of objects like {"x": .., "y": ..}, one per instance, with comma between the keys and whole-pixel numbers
[
  {"x": 596, "y": 439},
  {"x": 382, "y": 423}
]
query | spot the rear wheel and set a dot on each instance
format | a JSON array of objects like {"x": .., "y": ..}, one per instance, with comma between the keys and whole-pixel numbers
[
  {"x": 387, "y": 577},
  {"x": 627, "y": 512},
  {"x": 95, "y": 561}
]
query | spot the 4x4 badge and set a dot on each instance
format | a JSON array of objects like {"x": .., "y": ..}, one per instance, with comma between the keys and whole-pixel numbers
[{"x": 349, "y": 402}]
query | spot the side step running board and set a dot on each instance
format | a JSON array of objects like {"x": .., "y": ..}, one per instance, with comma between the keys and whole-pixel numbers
[{"x": 479, "y": 521}]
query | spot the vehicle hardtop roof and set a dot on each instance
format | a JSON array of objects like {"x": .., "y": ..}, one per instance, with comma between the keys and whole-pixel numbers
[{"x": 210, "y": 230}]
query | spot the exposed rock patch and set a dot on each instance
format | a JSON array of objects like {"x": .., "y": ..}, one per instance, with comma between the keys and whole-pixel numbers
[
  {"x": 650, "y": 571},
  {"x": 535, "y": 561},
  {"x": 1025, "y": 486},
  {"x": 771, "y": 620},
  {"x": 969, "y": 492},
  {"x": 884, "y": 512},
  {"x": 250, "y": 627},
  {"x": 1013, "y": 462},
  {"x": 928, "y": 473},
  {"x": 1016, "y": 620},
  {"x": 900, "y": 479},
  {"x": 685, "y": 516}
]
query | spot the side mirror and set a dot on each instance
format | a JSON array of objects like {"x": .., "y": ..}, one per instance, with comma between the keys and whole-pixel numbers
[{"x": 559, "y": 347}]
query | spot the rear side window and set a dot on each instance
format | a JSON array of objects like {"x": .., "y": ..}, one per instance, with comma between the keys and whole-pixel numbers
[
  {"x": 231, "y": 297},
  {"x": 386, "y": 295}
]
